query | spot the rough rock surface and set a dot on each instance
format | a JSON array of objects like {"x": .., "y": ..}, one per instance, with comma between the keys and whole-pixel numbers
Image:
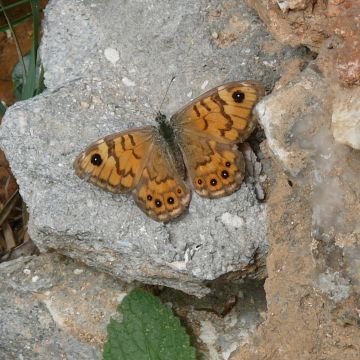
[
  {"x": 312, "y": 289},
  {"x": 313, "y": 267},
  {"x": 313, "y": 227},
  {"x": 54, "y": 309},
  {"x": 346, "y": 117},
  {"x": 105, "y": 75},
  {"x": 330, "y": 28}
]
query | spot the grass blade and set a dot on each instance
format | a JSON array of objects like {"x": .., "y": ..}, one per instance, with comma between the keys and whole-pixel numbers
[
  {"x": 15, "y": 38},
  {"x": 16, "y": 22},
  {"x": 29, "y": 88},
  {"x": 10, "y": 6},
  {"x": 8, "y": 235},
  {"x": 2, "y": 108},
  {"x": 40, "y": 86},
  {"x": 10, "y": 203}
]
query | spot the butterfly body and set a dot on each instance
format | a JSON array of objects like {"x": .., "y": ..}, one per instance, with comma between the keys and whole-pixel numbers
[
  {"x": 169, "y": 139},
  {"x": 198, "y": 142}
]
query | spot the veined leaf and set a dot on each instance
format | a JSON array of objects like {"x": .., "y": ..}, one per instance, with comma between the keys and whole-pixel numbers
[{"x": 149, "y": 331}]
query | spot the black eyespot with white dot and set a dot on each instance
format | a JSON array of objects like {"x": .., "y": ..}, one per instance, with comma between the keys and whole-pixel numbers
[
  {"x": 228, "y": 164},
  {"x": 158, "y": 203},
  {"x": 213, "y": 182},
  {"x": 149, "y": 197},
  {"x": 96, "y": 160},
  {"x": 199, "y": 181},
  {"x": 238, "y": 96},
  {"x": 224, "y": 174},
  {"x": 170, "y": 200}
]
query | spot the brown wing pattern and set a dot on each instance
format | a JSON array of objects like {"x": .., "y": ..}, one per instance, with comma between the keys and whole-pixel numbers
[
  {"x": 161, "y": 192},
  {"x": 224, "y": 113},
  {"x": 115, "y": 162},
  {"x": 215, "y": 169},
  {"x": 207, "y": 131}
]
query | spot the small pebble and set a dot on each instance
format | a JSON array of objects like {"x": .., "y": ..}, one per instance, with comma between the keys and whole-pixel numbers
[
  {"x": 126, "y": 81},
  {"x": 112, "y": 55}
]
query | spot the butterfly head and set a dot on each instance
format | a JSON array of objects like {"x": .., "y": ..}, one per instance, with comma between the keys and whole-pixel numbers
[{"x": 160, "y": 118}]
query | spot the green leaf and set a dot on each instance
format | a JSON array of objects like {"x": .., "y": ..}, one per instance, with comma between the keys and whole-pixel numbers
[
  {"x": 18, "y": 76},
  {"x": 149, "y": 331},
  {"x": 34, "y": 76}
]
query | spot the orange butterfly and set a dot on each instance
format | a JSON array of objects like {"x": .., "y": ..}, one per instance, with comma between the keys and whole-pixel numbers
[{"x": 200, "y": 140}]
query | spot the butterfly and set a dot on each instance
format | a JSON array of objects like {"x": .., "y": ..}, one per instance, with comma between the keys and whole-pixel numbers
[{"x": 198, "y": 143}]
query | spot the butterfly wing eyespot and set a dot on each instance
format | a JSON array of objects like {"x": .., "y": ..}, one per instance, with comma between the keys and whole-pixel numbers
[
  {"x": 115, "y": 162},
  {"x": 161, "y": 193},
  {"x": 224, "y": 114},
  {"x": 215, "y": 169}
]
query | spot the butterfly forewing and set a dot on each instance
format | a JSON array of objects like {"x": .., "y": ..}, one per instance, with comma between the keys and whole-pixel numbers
[
  {"x": 115, "y": 162},
  {"x": 223, "y": 114}
]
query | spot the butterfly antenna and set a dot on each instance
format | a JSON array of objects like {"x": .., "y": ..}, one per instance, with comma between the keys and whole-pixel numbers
[{"x": 167, "y": 90}]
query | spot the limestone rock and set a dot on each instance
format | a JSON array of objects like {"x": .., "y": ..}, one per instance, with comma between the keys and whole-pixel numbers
[
  {"x": 296, "y": 120},
  {"x": 112, "y": 76},
  {"x": 54, "y": 309},
  {"x": 346, "y": 117},
  {"x": 291, "y": 117}
]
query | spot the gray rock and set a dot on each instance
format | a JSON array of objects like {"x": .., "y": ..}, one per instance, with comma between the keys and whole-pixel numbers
[
  {"x": 334, "y": 286},
  {"x": 54, "y": 309},
  {"x": 107, "y": 66}
]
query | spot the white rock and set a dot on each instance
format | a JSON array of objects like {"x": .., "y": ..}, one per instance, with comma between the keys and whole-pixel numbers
[
  {"x": 204, "y": 84},
  {"x": 346, "y": 117},
  {"x": 126, "y": 81},
  {"x": 232, "y": 220},
  {"x": 112, "y": 55}
]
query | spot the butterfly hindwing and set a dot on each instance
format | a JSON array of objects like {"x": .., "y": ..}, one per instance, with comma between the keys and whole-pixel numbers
[
  {"x": 161, "y": 192},
  {"x": 215, "y": 169}
]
